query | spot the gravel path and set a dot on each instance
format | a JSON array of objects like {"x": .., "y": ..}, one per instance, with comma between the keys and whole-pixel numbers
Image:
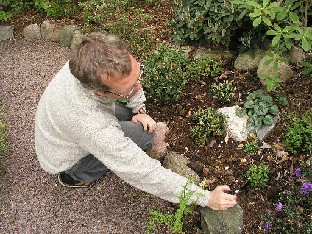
[{"x": 34, "y": 201}]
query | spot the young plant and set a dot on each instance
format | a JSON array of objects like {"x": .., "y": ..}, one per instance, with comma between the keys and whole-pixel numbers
[
  {"x": 164, "y": 76},
  {"x": 251, "y": 147},
  {"x": 260, "y": 110},
  {"x": 258, "y": 175},
  {"x": 223, "y": 92},
  {"x": 173, "y": 221},
  {"x": 299, "y": 135},
  {"x": 208, "y": 123}
]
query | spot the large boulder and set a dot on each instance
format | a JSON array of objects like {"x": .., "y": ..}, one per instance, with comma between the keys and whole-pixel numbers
[
  {"x": 248, "y": 60},
  {"x": 295, "y": 55},
  {"x": 283, "y": 72}
]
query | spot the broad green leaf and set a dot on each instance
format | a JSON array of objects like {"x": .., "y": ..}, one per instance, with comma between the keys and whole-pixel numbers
[
  {"x": 293, "y": 17},
  {"x": 254, "y": 4},
  {"x": 268, "y": 62},
  {"x": 266, "y": 21},
  {"x": 265, "y": 3},
  {"x": 256, "y": 22},
  {"x": 277, "y": 27},
  {"x": 271, "y": 32},
  {"x": 275, "y": 65},
  {"x": 268, "y": 120},
  {"x": 254, "y": 15},
  {"x": 281, "y": 15},
  {"x": 283, "y": 59},
  {"x": 306, "y": 45},
  {"x": 276, "y": 40}
]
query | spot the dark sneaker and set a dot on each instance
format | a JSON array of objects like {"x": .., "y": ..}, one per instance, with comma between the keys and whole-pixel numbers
[{"x": 67, "y": 181}]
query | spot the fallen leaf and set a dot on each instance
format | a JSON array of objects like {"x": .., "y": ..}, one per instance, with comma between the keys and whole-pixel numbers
[
  {"x": 279, "y": 147},
  {"x": 212, "y": 143}
]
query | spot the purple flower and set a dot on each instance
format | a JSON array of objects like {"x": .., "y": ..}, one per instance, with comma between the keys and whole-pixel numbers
[
  {"x": 268, "y": 226},
  {"x": 279, "y": 206},
  {"x": 298, "y": 172},
  {"x": 306, "y": 188}
]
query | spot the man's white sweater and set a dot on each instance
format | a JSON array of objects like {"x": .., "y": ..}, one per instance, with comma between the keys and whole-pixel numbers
[{"x": 72, "y": 122}]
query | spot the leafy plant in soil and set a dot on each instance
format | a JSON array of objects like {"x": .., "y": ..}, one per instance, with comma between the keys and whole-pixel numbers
[
  {"x": 299, "y": 135},
  {"x": 258, "y": 175},
  {"x": 208, "y": 123},
  {"x": 260, "y": 110},
  {"x": 173, "y": 221}
]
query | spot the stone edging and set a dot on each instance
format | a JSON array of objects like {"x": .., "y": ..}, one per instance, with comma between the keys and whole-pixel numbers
[{"x": 66, "y": 36}]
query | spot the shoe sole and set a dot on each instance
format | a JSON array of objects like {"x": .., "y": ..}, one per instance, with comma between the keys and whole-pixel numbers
[{"x": 81, "y": 185}]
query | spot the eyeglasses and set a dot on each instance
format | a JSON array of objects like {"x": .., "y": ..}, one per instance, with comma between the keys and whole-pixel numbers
[{"x": 133, "y": 88}]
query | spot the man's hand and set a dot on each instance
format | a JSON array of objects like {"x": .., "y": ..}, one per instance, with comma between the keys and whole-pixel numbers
[
  {"x": 148, "y": 123},
  {"x": 219, "y": 200}
]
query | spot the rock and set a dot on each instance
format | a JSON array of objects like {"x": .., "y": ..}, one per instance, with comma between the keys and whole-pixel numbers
[
  {"x": 235, "y": 126},
  {"x": 296, "y": 55},
  {"x": 187, "y": 50},
  {"x": 159, "y": 146},
  {"x": 205, "y": 53},
  {"x": 264, "y": 130},
  {"x": 77, "y": 38},
  {"x": 221, "y": 222},
  {"x": 32, "y": 32},
  {"x": 178, "y": 163},
  {"x": 248, "y": 60},
  {"x": 50, "y": 31},
  {"x": 6, "y": 33},
  {"x": 284, "y": 71},
  {"x": 67, "y": 35}
]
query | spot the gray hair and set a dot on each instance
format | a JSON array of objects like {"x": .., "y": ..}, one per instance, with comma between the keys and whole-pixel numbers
[{"x": 99, "y": 54}]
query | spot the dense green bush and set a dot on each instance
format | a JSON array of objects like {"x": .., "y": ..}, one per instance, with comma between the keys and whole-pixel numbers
[
  {"x": 298, "y": 138},
  {"x": 205, "y": 20},
  {"x": 201, "y": 68},
  {"x": 164, "y": 76},
  {"x": 208, "y": 123},
  {"x": 125, "y": 19},
  {"x": 9, "y": 8},
  {"x": 260, "y": 110}
]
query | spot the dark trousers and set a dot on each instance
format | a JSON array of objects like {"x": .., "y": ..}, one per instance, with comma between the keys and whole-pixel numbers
[{"x": 89, "y": 168}]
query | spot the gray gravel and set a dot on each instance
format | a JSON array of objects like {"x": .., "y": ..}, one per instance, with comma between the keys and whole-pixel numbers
[{"x": 35, "y": 202}]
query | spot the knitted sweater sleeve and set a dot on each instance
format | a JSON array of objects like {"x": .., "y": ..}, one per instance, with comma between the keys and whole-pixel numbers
[
  {"x": 122, "y": 156},
  {"x": 137, "y": 101}
]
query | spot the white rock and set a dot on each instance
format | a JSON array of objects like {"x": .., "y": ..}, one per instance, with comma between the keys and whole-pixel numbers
[{"x": 235, "y": 126}]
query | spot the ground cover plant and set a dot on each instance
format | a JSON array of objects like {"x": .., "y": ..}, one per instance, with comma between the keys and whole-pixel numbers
[{"x": 283, "y": 201}]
